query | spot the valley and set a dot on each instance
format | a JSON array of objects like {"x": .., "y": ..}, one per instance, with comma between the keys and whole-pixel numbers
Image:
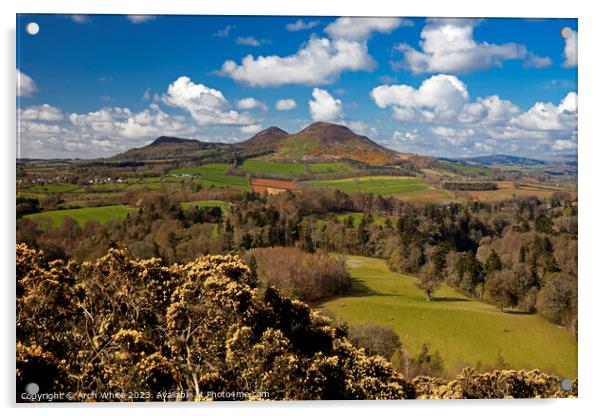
[
  {"x": 398, "y": 220},
  {"x": 465, "y": 331}
]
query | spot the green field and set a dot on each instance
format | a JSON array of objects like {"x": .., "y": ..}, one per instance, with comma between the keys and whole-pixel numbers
[
  {"x": 214, "y": 175},
  {"x": 211, "y": 168},
  {"x": 54, "y": 188},
  {"x": 330, "y": 167},
  {"x": 381, "y": 185},
  {"x": 274, "y": 168},
  {"x": 153, "y": 186},
  {"x": 223, "y": 205},
  {"x": 30, "y": 195},
  {"x": 356, "y": 217},
  {"x": 474, "y": 170},
  {"x": 221, "y": 181},
  {"x": 104, "y": 187},
  {"x": 255, "y": 166},
  {"x": 463, "y": 330},
  {"x": 82, "y": 215}
]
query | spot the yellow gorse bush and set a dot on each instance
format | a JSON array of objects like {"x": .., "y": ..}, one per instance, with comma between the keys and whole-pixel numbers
[{"x": 123, "y": 325}]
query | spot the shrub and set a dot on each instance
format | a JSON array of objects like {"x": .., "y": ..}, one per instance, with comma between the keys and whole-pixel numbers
[
  {"x": 557, "y": 299},
  {"x": 121, "y": 324},
  {"x": 298, "y": 274},
  {"x": 499, "y": 384},
  {"x": 375, "y": 340}
]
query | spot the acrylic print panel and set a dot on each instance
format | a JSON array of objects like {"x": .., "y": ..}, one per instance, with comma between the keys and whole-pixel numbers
[{"x": 295, "y": 208}]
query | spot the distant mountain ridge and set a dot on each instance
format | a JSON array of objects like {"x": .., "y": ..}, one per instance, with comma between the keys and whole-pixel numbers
[
  {"x": 497, "y": 159},
  {"x": 267, "y": 139},
  {"x": 167, "y": 140},
  {"x": 320, "y": 141},
  {"x": 171, "y": 148},
  {"x": 317, "y": 142}
]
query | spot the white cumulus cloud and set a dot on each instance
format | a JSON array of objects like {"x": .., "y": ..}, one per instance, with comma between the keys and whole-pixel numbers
[
  {"x": 324, "y": 107},
  {"x": 406, "y": 136},
  {"x": 447, "y": 45},
  {"x": 25, "y": 85},
  {"x": 250, "y": 129},
  {"x": 361, "y": 28},
  {"x": 547, "y": 116},
  {"x": 251, "y": 103},
  {"x": 443, "y": 131},
  {"x": 106, "y": 131},
  {"x": 489, "y": 110},
  {"x": 536, "y": 61},
  {"x": 207, "y": 106},
  {"x": 109, "y": 122},
  {"x": 300, "y": 24},
  {"x": 44, "y": 112},
  {"x": 440, "y": 97},
  {"x": 570, "y": 51},
  {"x": 320, "y": 61},
  {"x": 286, "y": 104}
]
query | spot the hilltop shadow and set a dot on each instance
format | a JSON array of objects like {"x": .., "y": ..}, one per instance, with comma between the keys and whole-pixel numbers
[
  {"x": 357, "y": 289},
  {"x": 448, "y": 299},
  {"x": 360, "y": 289},
  {"x": 517, "y": 312}
]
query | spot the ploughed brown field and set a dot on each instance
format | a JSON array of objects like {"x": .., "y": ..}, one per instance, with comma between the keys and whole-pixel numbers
[{"x": 271, "y": 186}]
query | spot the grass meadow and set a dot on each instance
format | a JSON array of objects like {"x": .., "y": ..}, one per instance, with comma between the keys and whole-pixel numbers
[
  {"x": 464, "y": 331},
  {"x": 380, "y": 185},
  {"x": 83, "y": 215},
  {"x": 255, "y": 166},
  {"x": 223, "y": 205}
]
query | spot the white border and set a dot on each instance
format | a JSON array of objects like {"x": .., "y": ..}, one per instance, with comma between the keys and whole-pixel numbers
[{"x": 590, "y": 345}]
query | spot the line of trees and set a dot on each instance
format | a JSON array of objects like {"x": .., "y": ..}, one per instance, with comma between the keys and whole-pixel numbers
[
  {"x": 505, "y": 252},
  {"x": 469, "y": 186},
  {"x": 298, "y": 274}
]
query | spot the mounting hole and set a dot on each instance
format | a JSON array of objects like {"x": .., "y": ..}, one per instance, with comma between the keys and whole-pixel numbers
[
  {"x": 566, "y": 32},
  {"x": 32, "y": 388},
  {"x": 32, "y": 28},
  {"x": 566, "y": 384}
]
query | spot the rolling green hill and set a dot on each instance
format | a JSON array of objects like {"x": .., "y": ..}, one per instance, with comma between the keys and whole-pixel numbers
[
  {"x": 463, "y": 330},
  {"x": 321, "y": 142},
  {"x": 318, "y": 142},
  {"x": 174, "y": 148},
  {"x": 83, "y": 215}
]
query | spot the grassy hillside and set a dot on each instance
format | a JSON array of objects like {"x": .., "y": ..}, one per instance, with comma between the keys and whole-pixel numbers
[
  {"x": 324, "y": 142},
  {"x": 213, "y": 175},
  {"x": 222, "y": 181},
  {"x": 208, "y": 169},
  {"x": 256, "y": 166},
  {"x": 381, "y": 185},
  {"x": 82, "y": 215},
  {"x": 464, "y": 169},
  {"x": 260, "y": 166},
  {"x": 463, "y": 330},
  {"x": 223, "y": 205},
  {"x": 54, "y": 188}
]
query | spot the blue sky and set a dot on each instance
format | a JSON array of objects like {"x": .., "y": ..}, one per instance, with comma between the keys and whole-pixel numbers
[{"x": 97, "y": 85}]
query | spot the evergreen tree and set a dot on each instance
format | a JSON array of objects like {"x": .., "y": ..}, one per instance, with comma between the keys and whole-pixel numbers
[{"x": 493, "y": 262}]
